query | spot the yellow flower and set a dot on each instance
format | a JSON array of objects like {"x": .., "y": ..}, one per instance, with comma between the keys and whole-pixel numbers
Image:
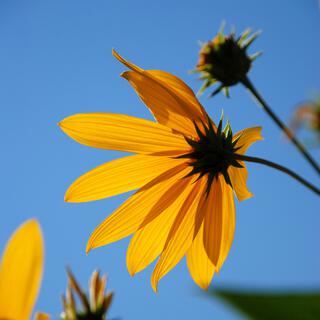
[
  {"x": 21, "y": 272},
  {"x": 183, "y": 169}
]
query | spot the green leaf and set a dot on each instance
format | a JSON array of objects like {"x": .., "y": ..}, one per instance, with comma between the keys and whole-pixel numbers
[{"x": 273, "y": 305}]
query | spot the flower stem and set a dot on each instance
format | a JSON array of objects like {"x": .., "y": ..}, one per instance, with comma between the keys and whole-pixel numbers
[
  {"x": 280, "y": 168},
  {"x": 248, "y": 84}
]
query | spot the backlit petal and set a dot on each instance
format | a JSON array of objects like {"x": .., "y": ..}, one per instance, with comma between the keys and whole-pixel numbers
[
  {"x": 122, "y": 132},
  {"x": 247, "y": 137},
  {"x": 126, "y": 63},
  {"x": 182, "y": 89},
  {"x": 200, "y": 266},
  {"x": 181, "y": 234},
  {"x": 213, "y": 222},
  {"x": 169, "y": 99},
  {"x": 238, "y": 178},
  {"x": 229, "y": 221},
  {"x": 148, "y": 242},
  {"x": 118, "y": 176},
  {"x": 140, "y": 209},
  {"x": 219, "y": 223},
  {"x": 21, "y": 272}
]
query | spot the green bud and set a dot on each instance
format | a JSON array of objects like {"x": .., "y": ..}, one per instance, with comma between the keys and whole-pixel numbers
[
  {"x": 93, "y": 306},
  {"x": 224, "y": 60}
]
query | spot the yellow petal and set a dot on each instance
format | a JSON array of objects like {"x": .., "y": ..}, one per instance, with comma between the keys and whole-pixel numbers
[
  {"x": 247, "y": 137},
  {"x": 140, "y": 209},
  {"x": 118, "y": 176},
  {"x": 213, "y": 222},
  {"x": 228, "y": 221},
  {"x": 126, "y": 63},
  {"x": 21, "y": 272},
  {"x": 148, "y": 242},
  {"x": 238, "y": 177},
  {"x": 200, "y": 266},
  {"x": 182, "y": 89},
  {"x": 169, "y": 99},
  {"x": 122, "y": 132},
  {"x": 41, "y": 316},
  {"x": 181, "y": 234},
  {"x": 219, "y": 224}
]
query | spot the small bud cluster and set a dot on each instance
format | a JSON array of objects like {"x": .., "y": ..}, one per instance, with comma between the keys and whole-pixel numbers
[
  {"x": 94, "y": 306},
  {"x": 307, "y": 115}
]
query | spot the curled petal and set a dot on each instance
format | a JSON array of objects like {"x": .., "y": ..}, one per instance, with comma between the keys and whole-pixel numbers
[
  {"x": 246, "y": 138},
  {"x": 238, "y": 177},
  {"x": 169, "y": 99}
]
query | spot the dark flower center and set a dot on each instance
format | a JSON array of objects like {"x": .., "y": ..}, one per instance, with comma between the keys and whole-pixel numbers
[{"x": 212, "y": 152}]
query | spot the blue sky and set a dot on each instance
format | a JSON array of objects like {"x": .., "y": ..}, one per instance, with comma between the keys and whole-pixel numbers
[{"x": 55, "y": 61}]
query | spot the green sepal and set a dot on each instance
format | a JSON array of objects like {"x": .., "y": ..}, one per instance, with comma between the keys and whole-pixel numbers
[{"x": 227, "y": 177}]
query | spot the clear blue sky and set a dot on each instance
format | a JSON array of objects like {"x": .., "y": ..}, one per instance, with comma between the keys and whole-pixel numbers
[{"x": 55, "y": 60}]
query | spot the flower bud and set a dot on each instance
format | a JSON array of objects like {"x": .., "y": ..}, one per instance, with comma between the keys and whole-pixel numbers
[
  {"x": 307, "y": 115},
  {"x": 95, "y": 305},
  {"x": 225, "y": 59}
]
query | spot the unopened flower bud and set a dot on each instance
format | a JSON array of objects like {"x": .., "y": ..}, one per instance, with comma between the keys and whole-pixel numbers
[
  {"x": 307, "y": 115},
  {"x": 94, "y": 306},
  {"x": 225, "y": 59}
]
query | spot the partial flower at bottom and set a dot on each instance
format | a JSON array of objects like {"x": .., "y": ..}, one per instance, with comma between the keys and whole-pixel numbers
[
  {"x": 93, "y": 306},
  {"x": 184, "y": 169},
  {"x": 21, "y": 272}
]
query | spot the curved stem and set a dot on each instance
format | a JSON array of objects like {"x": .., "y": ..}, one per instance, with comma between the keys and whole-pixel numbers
[
  {"x": 247, "y": 83},
  {"x": 280, "y": 168}
]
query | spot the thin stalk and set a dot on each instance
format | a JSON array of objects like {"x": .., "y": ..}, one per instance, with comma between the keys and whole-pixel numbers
[
  {"x": 280, "y": 168},
  {"x": 247, "y": 83}
]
